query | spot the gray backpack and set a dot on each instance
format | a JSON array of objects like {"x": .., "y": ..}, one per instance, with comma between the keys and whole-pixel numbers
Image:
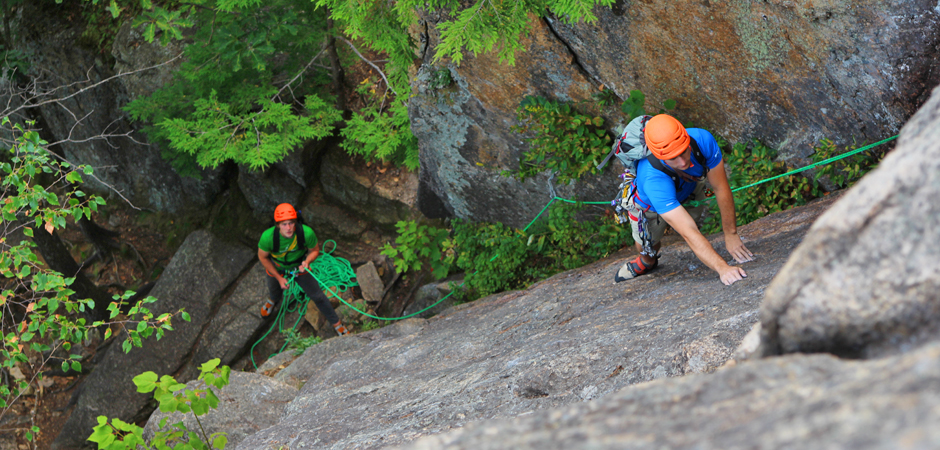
[{"x": 630, "y": 147}]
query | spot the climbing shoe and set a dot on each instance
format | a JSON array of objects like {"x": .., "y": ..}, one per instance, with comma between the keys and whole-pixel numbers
[
  {"x": 340, "y": 329},
  {"x": 633, "y": 269},
  {"x": 267, "y": 308}
]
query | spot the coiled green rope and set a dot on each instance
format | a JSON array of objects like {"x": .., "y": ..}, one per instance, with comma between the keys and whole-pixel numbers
[
  {"x": 335, "y": 275},
  {"x": 333, "y": 270}
]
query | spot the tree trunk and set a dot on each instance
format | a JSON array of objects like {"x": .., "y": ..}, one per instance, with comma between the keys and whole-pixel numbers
[{"x": 339, "y": 75}]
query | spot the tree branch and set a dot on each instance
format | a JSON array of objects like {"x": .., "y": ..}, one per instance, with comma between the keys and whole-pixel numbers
[{"x": 353, "y": 47}]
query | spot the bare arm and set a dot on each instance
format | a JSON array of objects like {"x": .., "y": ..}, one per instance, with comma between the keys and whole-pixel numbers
[
  {"x": 312, "y": 255},
  {"x": 718, "y": 178},
  {"x": 265, "y": 258},
  {"x": 680, "y": 220}
]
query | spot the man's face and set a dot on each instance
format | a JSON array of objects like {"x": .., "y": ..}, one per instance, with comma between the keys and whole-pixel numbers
[
  {"x": 681, "y": 162},
  {"x": 287, "y": 227}
]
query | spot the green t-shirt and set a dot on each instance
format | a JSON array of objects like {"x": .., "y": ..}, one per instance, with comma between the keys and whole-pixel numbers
[{"x": 289, "y": 255}]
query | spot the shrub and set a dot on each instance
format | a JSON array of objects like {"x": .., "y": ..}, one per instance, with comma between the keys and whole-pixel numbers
[
  {"x": 844, "y": 172},
  {"x": 172, "y": 396},
  {"x": 562, "y": 140},
  {"x": 299, "y": 344},
  {"x": 418, "y": 246}
]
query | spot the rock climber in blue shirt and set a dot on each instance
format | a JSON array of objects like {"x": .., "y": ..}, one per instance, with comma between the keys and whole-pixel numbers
[{"x": 682, "y": 159}]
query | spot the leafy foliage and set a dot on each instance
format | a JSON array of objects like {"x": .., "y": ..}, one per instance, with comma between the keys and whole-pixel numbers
[
  {"x": 299, "y": 343},
  {"x": 222, "y": 104},
  {"x": 844, "y": 172},
  {"x": 171, "y": 396},
  {"x": 499, "y": 257},
  {"x": 495, "y": 254},
  {"x": 562, "y": 140},
  {"x": 635, "y": 105},
  {"x": 378, "y": 135},
  {"x": 216, "y": 133},
  {"x": 487, "y": 25},
  {"x": 572, "y": 243},
  {"x": 419, "y": 245},
  {"x": 42, "y": 321},
  {"x": 236, "y": 95},
  {"x": 750, "y": 164}
]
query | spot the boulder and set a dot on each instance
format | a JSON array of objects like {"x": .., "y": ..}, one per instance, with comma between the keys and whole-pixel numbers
[
  {"x": 234, "y": 327},
  {"x": 249, "y": 403},
  {"x": 864, "y": 281},
  {"x": 787, "y": 73},
  {"x": 195, "y": 279},
  {"x": 370, "y": 283},
  {"x": 264, "y": 190},
  {"x": 567, "y": 339},
  {"x": 431, "y": 293},
  {"x": 132, "y": 52},
  {"x": 276, "y": 363},
  {"x": 464, "y": 135},
  {"x": 298, "y": 372},
  {"x": 332, "y": 222}
]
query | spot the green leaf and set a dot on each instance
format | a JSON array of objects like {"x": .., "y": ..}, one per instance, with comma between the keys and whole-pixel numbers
[
  {"x": 210, "y": 365},
  {"x": 115, "y": 9},
  {"x": 219, "y": 442},
  {"x": 102, "y": 434},
  {"x": 146, "y": 382}
]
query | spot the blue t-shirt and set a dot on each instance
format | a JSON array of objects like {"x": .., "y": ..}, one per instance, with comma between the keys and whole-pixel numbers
[{"x": 657, "y": 190}]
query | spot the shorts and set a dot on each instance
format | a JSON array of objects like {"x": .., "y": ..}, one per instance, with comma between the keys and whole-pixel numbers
[{"x": 656, "y": 224}]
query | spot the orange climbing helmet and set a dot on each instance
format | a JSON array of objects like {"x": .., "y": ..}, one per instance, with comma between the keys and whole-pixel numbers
[
  {"x": 283, "y": 212},
  {"x": 666, "y": 138}
]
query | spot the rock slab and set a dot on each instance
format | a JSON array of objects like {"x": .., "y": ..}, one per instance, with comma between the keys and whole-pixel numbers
[{"x": 796, "y": 401}]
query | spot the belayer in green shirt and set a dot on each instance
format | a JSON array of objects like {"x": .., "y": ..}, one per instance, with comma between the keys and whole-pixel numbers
[{"x": 287, "y": 246}]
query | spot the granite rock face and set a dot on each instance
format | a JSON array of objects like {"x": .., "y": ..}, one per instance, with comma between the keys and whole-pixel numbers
[
  {"x": 788, "y": 73},
  {"x": 571, "y": 338},
  {"x": 463, "y": 130},
  {"x": 796, "y": 401},
  {"x": 865, "y": 281},
  {"x": 234, "y": 324}
]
